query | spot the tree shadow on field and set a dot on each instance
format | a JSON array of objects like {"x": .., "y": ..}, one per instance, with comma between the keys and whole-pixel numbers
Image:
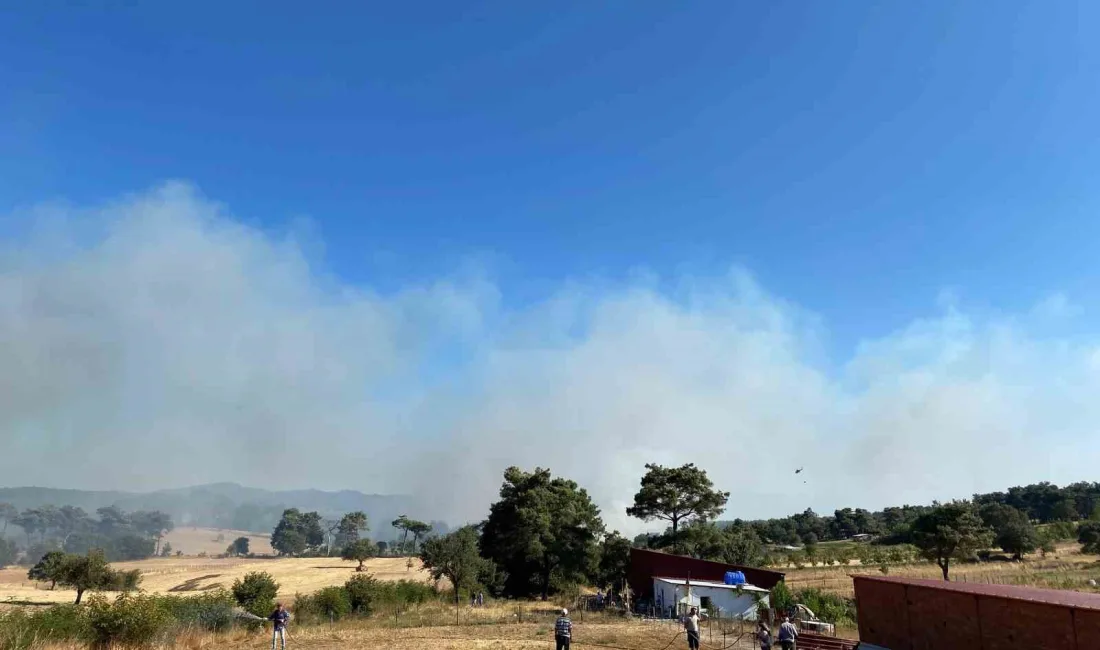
[
  {"x": 345, "y": 567},
  {"x": 193, "y": 584}
]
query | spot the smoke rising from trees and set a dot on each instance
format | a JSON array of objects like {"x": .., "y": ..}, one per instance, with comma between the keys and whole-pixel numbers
[{"x": 159, "y": 341}]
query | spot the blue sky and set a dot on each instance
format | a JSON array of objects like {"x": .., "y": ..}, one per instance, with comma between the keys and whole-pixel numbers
[
  {"x": 431, "y": 230},
  {"x": 859, "y": 158}
]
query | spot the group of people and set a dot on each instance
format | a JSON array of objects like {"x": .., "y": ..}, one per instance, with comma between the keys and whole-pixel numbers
[
  {"x": 788, "y": 634},
  {"x": 477, "y": 600},
  {"x": 563, "y": 628}
]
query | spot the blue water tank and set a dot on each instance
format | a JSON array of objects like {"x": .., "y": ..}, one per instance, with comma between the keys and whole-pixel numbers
[{"x": 734, "y": 578}]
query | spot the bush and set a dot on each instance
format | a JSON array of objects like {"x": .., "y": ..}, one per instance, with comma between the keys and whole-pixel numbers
[
  {"x": 256, "y": 593},
  {"x": 211, "y": 611},
  {"x": 22, "y": 630},
  {"x": 131, "y": 620},
  {"x": 782, "y": 600},
  {"x": 328, "y": 604},
  {"x": 124, "y": 580},
  {"x": 1062, "y": 531},
  {"x": 828, "y": 607},
  {"x": 362, "y": 591}
]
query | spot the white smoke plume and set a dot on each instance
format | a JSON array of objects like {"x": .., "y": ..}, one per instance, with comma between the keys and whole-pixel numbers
[{"x": 159, "y": 342}]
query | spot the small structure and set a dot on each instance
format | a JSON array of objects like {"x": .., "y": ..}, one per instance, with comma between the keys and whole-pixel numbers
[
  {"x": 715, "y": 598},
  {"x": 645, "y": 565},
  {"x": 913, "y": 614}
]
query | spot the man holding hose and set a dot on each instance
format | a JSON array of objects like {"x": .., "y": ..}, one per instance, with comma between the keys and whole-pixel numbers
[{"x": 279, "y": 617}]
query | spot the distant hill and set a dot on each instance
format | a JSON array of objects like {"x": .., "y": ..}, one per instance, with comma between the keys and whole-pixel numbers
[{"x": 225, "y": 505}]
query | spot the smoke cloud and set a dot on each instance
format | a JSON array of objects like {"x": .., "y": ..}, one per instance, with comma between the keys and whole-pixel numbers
[{"x": 158, "y": 342}]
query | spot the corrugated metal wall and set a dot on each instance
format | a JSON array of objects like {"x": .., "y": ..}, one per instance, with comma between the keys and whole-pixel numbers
[{"x": 917, "y": 617}]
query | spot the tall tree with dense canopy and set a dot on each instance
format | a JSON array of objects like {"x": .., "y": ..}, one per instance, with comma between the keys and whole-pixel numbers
[
  {"x": 418, "y": 529},
  {"x": 950, "y": 531},
  {"x": 297, "y": 532},
  {"x": 542, "y": 531},
  {"x": 350, "y": 527},
  {"x": 1088, "y": 535},
  {"x": 84, "y": 572},
  {"x": 239, "y": 547},
  {"x": 677, "y": 495},
  {"x": 1011, "y": 529},
  {"x": 455, "y": 557},
  {"x": 613, "y": 562}
]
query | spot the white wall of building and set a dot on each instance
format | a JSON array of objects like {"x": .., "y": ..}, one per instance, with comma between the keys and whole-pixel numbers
[{"x": 727, "y": 601}]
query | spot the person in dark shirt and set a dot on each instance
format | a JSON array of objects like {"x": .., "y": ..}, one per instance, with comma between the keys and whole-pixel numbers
[
  {"x": 563, "y": 630},
  {"x": 280, "y": 617}
]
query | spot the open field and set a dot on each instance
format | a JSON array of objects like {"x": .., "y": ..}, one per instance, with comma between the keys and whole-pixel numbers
[
  {"x": 491, "y": 628},
  {"x": 213, "y": 541},
  {"x": 185, "y": 575},
  {"x": 1067, "y": 569}
]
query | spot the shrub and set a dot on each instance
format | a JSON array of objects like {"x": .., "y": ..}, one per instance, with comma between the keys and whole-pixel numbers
[
  {"x": 828, "y": 607},
  {"x": 131, "y": 620},
  {"x": 328, "y": 604},
  {"x": 362, "y": 592},
  {"x": 410, "y": 592},
  {"x": 782, "y": 600},
  {"x": 124, "y": 580},
  {"x": 256, "y": 592},
  {"x": 211, "y": 611},
  {"x": 22, "y": 630}
]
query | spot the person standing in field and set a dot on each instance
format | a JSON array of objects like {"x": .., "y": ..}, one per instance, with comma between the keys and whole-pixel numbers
[
  {"x": 788, "y": 634},
  {"x": 563, "y": 630},
  {"x": 280, "y": 617},
  {"x": 691, "y": 624}
]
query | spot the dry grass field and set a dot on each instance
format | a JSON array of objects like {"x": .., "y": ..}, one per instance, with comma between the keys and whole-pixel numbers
[
  {"x": 185, "y": 575},
  {"x": 492, "y": 628},
  {"x": 1066, "y": 569},
  {"x": 212, "y": 541}
]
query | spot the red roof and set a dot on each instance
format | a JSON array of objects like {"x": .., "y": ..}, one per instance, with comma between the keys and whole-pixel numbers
[{"x": 1076, "y": 599}]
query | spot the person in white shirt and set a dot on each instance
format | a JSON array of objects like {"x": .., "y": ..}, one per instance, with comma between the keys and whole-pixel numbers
[{"x": 691, "y": 624}]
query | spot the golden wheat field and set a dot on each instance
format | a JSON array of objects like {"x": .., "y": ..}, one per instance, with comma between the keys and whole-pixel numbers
[
  {"x": 183, "y": 575},
  {"x": 213, "y": 541}
]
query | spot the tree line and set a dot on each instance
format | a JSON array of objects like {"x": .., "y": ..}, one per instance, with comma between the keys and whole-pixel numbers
[
  {"x": 1041, "y": 503},
  {"x": 120, "y": 535},
  {"x": 307, "y": 533}
]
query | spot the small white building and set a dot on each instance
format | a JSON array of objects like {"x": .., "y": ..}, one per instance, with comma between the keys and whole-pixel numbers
[{"x": 715, "y": 598}]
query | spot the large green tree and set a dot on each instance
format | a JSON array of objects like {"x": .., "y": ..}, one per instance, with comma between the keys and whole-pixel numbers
[
  {"x": 418, "y": 529},
  {"x": 359, "y": 551},
  {"x": 677, "y": 495},
  {"x": 1011, "y": 528},
  {"x": 950, "y": 531},
  {"x": 351, "y": 526},
  {"x": 542, "y": 532},
  {"x": 455, "y": 557},
  {"x": 84, "y": 572},
  {"x": 613, "y": 562},
  {"x": 1088, "y": 535},
  {"x": 297, "y": 532}
]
